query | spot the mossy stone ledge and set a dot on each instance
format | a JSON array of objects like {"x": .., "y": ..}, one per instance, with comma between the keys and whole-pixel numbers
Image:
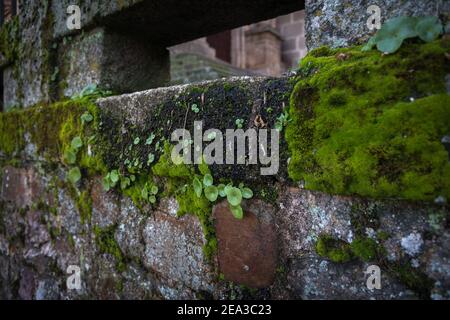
[{"x": 369, "y": 124}]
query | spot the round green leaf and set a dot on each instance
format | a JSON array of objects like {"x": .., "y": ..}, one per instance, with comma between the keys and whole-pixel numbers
[
  {"x": 211, "y": 193},
  {"x": 144, "y": 193},
  {"x": 247, "y": 193},
  {"x": 70, "y": 156},
  {"x": 197, "y": 187},
  {"x": 207, "y": 180},
  {"x": 76, "y": 143},
  {"x": 389, "y": 45},
  {"x": 114, "y": 176},
  {"x": 399, "y": 27},
  {"x": 234, "y": 196},
  {"x": 154, "y": 190},
  {"x": 152, "y": 199},
  {"x": 228, "y": 188},
  {"x": 86, "y": 117},
  {"x": 124, "y": 183},
  {"x": 237, "y": 212},
  {"x": 429, "y": 28},
  {"x": 221, "y": 189},
  {"x": 74, "y": 175}
]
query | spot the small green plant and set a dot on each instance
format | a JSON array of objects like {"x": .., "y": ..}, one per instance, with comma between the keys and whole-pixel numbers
[
  {"x": 149, "y": 192},
  {"x": 70, "y": 154},
  {"x": 74, "y": 175},
  {"x": 86, "y": 117},
  {"x": 233, "y": 194},
  {"x": 150, "y": 139},
  {"x": 394, "y": 31},
  {"x": 195, "y": 108},
  {"x": 111, "y": 180},
  {"x": 282, "y": 121},
  {"x": 92, "y": 92},
  {"x": 150, "y": 159},
  {"x": 239, "y": 123}
]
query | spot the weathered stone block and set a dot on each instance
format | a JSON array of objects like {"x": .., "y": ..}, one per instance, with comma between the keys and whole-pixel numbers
[
  {"x": 247, "y": 248},
  {"x": 315, "y": 278},
  {"x": 105, "y": 206},
  {"x": 173, "y": 249},
  {"x": 342, "y": 23}
]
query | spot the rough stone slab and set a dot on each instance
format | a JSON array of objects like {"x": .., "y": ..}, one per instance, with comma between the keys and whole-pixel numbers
[
  {"x": 221, "y": 103},
  {"x": 105, "y": 205},
  {"x": 173, "y": 248},
  {"x": 247, "y": 248},
  {"x": 415, "y": 238},
  {"x": 338, "y": 23},
  {"x": 315, "y": 278}
]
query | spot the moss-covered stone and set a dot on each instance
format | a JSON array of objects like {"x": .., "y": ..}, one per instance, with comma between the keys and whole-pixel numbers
[
  {"x": 371, "y": 124},
  {"x": 9, "y": 39},
  {"x": 104, "y": 238},
  {"x": 333, "y": 249},
  {"x": 179, "y": 180}
]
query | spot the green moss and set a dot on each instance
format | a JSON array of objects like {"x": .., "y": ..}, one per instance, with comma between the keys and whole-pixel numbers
[
  {"x": 51, "y": 129},
  {"x": 364, "y": 248},
  {"x": 9, "y": 39},
  {"x": 104, "y": 238},
  {"x": 371, "y": 124},
  {"x": 414, "y": 279},
  {"x": 333, "y": 249},
  {"x": 179, "y": 184},
  {"x": 84, "y": 205}
]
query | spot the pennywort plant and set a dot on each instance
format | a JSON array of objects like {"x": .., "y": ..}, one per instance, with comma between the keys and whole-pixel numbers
[
  {"x": 394, "y": 31},
  {"x": 233, "y": 194},
  {"x": 282, "y": 120}
]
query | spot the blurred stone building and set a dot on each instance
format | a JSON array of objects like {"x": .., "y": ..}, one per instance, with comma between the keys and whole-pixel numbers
[{"x": 270, "y": 47}]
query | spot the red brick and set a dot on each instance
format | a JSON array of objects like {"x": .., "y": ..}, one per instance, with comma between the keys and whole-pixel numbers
[{"x": 247, "y": 248}]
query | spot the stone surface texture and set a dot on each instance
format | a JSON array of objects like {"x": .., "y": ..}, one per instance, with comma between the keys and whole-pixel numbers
[{"x": 338, "y": 23}]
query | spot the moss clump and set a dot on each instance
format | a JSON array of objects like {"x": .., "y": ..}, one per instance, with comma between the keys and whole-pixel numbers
[
  {"x": 51, "y": 128},
  {"x": 336, "y": 250},
  {"x": 9, "y": 39},
  {"x": 84, "y": 205},
  {"x": 333, "y": 249},
  {"x": 104, "y": 238},
  {"x": 364, "y": 248},
  {"x": 414, "y": 279},
  {"x": 371, "y": 124}
]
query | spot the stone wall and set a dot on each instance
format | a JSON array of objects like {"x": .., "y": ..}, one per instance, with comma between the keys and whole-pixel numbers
[
  {"x": 130, "y": 249},
  {"x": 190, "y": 67},
  {"x": 89, "y": 183},
  {"x": 121, "y": 45},
  {"x": 292, "y": 30}
]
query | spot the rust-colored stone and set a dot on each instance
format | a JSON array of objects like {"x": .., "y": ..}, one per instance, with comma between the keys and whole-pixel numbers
[{"x": 247, "y": 248}]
